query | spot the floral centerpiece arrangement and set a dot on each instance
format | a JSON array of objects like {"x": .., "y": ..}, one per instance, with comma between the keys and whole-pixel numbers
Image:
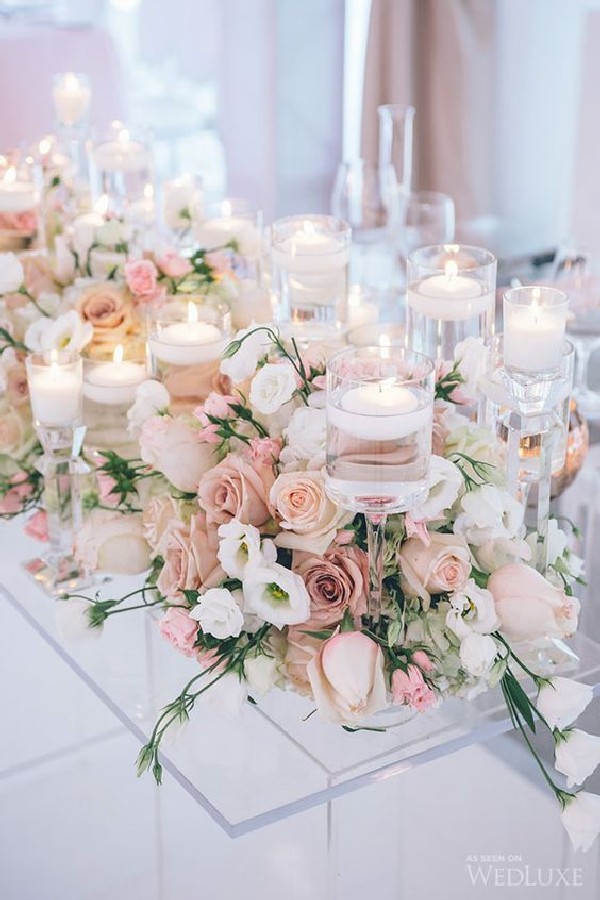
[{"x": 263, "y": 580}]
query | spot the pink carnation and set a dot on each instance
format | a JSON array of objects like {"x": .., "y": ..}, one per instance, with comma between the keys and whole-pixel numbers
[
  {"x": 219, "y": 405},
  {"x": 179, "y": 629},
  {"x": 410, "y": 689},
  {"x": 173, "y": 265},
  {"x": 37, "y": 526}
]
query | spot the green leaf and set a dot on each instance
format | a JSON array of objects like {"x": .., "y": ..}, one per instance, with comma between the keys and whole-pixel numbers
[
  {"x": 144, "y": 760},
  {"x": 347, "y": 621},
  {"x": 394, "y": 631},
  {"x": 519, "y": 698},
  {"x": 323, "y": 635},
  {"x": 231, "y": 349}
]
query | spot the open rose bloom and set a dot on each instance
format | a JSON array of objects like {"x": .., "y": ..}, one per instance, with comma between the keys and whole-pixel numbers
[{"x": 264, "y": 579}]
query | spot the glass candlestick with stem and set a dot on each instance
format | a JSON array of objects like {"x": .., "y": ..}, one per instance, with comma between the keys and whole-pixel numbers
[
  {"x": 379, "y": 419},
  {"x": 55, "y": 388}
]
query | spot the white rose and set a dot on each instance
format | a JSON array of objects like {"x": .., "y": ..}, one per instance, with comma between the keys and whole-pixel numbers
[
  {"x": 68, "y": 332},
  {"x": 242, "y": 364},
  {"x": 112, "y": 233},
  {"x": 112, "y": 542},
  {"x": 261, "y": 673},
  {"x": 305, "y": 437},
  {"x": 488, "y": 513},
  {"x": 561, "y": 701},
  {"x": 73, "y": 621},
  {"x": 218, "y": 614},
  {"x": 577, "y": 755},
  {"x": 151, "y": 398},
  {"x": 84, "y": 234},
  {"x": 171, "y": 447},
  {"x": 240, "y": 549},
  {"x": 556, "y": 543},
  {"x": 472, "y": 358},
  {"x": 272, "y": 387},
  {"x": 12, "y": 275},
  {"x": 581, "y": 818},
  {"x": 477, "y": 654},
  {"x": 277, "y": 595},
  {"x": 472, "y": 609},
  {"x": 445, "y": 483}
]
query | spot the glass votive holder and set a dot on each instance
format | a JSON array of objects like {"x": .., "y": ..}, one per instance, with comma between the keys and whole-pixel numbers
[
  {"x": 109, "y": 390},
  {"x": 20, "y": 216},
  {"x": 379, "y": 426},
  {"x": 121, "y": 167},
  {"x": 363, "y": 308},
  {"x": 71, "y": 95},
  {"x": 534, "y": 331},
  {"x": 450, "y": 297},
  {"x": 55, "y": 389},
  {"x": 233, "y": 230},
  {"x": 310, "y": 260},
  {"x": 382, "y": 334},
  {"x": 186, "y": 344}
]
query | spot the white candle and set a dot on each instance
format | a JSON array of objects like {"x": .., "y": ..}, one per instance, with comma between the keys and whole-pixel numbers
[
  {"x": 450, "y": 297},
  {"x": 71, "y": 98},
  {"x": 122, "y": 155},
  {"x": 380, "y": 411},
  {"x": 533, "y": 336},
  {"x": 361, "y": 311},
  {"x": 310, "y": 252},
  {"x": 186, "y": 343},
  {"x": 55, "y": 393},
  {"x": 15, "y": 195},
  {"x": 114, "y": 383},
  {"x": 220, "y": 230}
]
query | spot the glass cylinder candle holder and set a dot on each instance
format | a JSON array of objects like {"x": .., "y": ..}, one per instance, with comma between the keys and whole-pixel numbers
[
  {"x": 20, "y": 216},
  {"x": 450, "y": 297},
  {"x": 310, "y": 258},
  {"x": 379, "y": 426},
  {"x": 234, "y": 231},
  {"x": 534, "y": 331},
  {"x": 72, "y": 96},
  {"x": 186, "y": 344},
  {"x": 109, "y": 390},
  {"x": 382, "y": 334},
  {"x": 121, "y": 164},
  {"x": 363, "y": 308},
  {"x": 55, "y": 390}
]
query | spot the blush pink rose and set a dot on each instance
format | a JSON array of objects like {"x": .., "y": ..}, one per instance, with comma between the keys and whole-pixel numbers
[
  {"x": 410, "y": 689},
  {"x": 141, "y": 277},
  {"x": 309, "y": 519},
  {"x": 347, "y": 679},
  {"x": 39, "y": 278},
  {"x": 14, "y": 498},
  {"x": 179, "y": 629},
  {"x": 219, "y": 405},
  {"x": 265, "y": 451},
  {"x": 173, "y": 265},
  {"x": 421, "y": 659},
  {"x": 234, "y": 489},
  {"x": 442, "y": 567},
  {"x": 190, "y": 558},
  {"x": 37, "y": 526},
  {"x": 17, "y": 388},
  {"x": 335, "y": 582},
  {"x": 529, "y": 607},
  {"x": 171, "y": 446}
]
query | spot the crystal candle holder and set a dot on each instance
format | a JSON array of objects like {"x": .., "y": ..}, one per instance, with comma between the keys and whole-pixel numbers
[
  {"x": 55, "y": 389},
  {"x": 233, "y": 229},
  {"x": 20, "y": 216},
  {"x": 310, "y": 259},
  {"x": 383, "y": 334},
  {"x": 379, "y": 426},
  {"x": 121, "y": 166},
  {"x": 534, "y": 330},
  {"x": 71, "y": 95},
  {"x": 186, "y": 344},
  {"x": 450, "y": 296}
]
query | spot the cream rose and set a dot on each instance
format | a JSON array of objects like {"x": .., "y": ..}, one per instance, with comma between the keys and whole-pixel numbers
[
  {"x": 158, "y": 515},
  {"x": 105, "y": 306},
  {"x": 442, "y": 567},
  {"x": 112, "y": 542},
  {"x": 190, "y": 558},
  {"x": 309, "y": 519},
  {"x": 347, "y": 678},
  {"x": 234, "y": 489},
  {"x": 171, "y": 446},
  {"x": 16, "y": 433},
  {"x": 529, "y": 607}
]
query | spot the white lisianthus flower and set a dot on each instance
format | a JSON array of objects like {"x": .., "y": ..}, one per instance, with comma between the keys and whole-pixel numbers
[
  {"x": 472, "y": 609},
  {"x": 577, "y": 755},
  {"x": 501, "y": 552},
  {"x": 240, "y": 549},
  {"x": 477, "y": 654},
  {"x": 242, "y": 364},
  {"x": 581, "y": 818},
  {"x": 561, "y": 701},
  {"x": 151, "y": 398},
  {"x": 218, "y": 614},
  {"x": 272, "y": 387},
  {"x": 112, "y": 233},
  {"x": 488, "y": 513},
  {"x": 471, "y": 356},
  {"x": 261, "y": 673},
  {"x": 556, "y": 542},
  {"x": 12, "y": 275},
  {"x": 305, "y": 438},
  {"x": 277, "y": 595},
  {"x": 444, "y": 485},
  {"x": 68, "y": 332}
]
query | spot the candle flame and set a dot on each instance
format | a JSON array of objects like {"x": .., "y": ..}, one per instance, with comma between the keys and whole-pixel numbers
[
  {"x": 226, "y": 208},
  {"x": 451, "y": 269},
  {"x": 148, "y": 192},
  {"x": 385, "y": 344},
  {"x": 118, "y": 354},
  {"x": 10, "y": 176},
  {"x": 192, "y": 312}
]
